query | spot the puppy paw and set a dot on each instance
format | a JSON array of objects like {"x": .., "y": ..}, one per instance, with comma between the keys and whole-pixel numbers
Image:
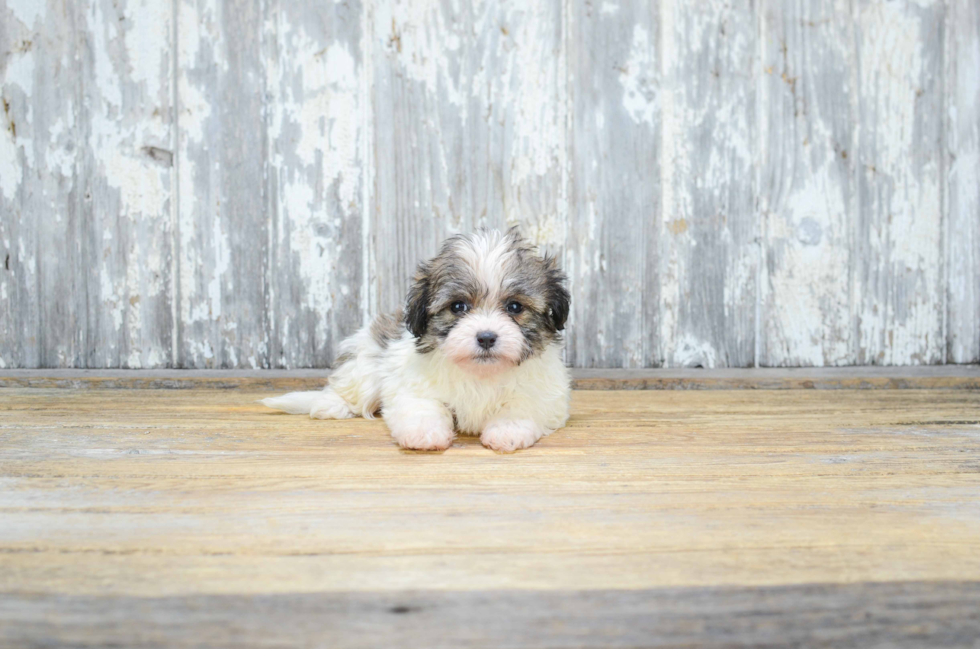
[
  {"x": 423, "y": 434},
  {"x": 509, "y": 435}
]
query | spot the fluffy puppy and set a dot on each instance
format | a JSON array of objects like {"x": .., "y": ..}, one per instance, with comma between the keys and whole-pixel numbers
[{"x": 477, "y": 351}]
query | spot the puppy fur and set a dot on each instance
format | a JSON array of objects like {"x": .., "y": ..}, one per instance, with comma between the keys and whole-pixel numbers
[{"x": 425, "y": 369}]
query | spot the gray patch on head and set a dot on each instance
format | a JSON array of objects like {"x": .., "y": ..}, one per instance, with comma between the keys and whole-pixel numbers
[
  {"x": 387, "y": 327},
  {"x": 535, "y": 282},
  {"x": 809, "y": 232}
]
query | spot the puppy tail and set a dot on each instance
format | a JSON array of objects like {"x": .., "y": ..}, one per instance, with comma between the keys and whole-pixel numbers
[{"x": 295, "y": 403}]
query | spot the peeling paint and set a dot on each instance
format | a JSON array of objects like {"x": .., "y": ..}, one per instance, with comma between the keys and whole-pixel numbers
[
  {"x": 26, "y": 11},
  {"x": 898, "y": 280},
  {"x": 609, "y": 8},
  {"x": 692, "y": 352},
  {"x": 807, "y": 195},
  {"x": 11, "y": 168},
  {"x": 126, "y": 130},
  {"x": 316, "y": 127},
  {"x": 727, "y": 182},
  {"x": 962, "y": 158},
  {"x": 640, "y": 92},
  {"x": 708, "y": 277},
  {"x": 471, "y": 95},
  {"x": 15, "y": 151},
  {"x": 423, "y": 42}
]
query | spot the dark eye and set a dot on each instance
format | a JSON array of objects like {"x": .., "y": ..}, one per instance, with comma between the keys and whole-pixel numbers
[
  {"x": 515, "y": 307},
  {"x": 458, "y": 307}
]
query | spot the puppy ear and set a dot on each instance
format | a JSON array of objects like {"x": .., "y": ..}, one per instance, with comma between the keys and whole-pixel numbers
[
  {"x": 558, "y": 306},
  {"x": 417, "y": 309},
  {"x": 558, "y": 297}
]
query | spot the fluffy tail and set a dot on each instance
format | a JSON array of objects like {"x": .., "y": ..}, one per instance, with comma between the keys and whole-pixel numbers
[
  {"x": 324, "y": 404},
  {"x": 295, "y": 403}
]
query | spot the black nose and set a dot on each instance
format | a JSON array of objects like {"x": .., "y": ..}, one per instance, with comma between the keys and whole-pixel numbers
[{"x": 487, "y": 339}]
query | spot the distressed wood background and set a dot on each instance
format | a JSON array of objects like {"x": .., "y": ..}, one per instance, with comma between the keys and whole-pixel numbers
[{"x": 231, "y": 183}]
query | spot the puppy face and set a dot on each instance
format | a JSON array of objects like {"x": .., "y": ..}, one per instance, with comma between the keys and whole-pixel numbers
[{"x": 487, "y": 301}]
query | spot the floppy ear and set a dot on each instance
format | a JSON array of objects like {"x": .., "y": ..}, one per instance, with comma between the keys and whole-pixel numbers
[
  {"x": 558, "y": 297},
  {"x": 558, "y": 306},
  {"x": 417, "y": 309}
]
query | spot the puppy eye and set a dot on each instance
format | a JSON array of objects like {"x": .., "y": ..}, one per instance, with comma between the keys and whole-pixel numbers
[
  {"x": 458, "y": 307},
  {"x": 515, "y": 307}
]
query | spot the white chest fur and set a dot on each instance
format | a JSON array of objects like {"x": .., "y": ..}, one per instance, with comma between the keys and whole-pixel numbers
[{"x": 537, "y": 389}]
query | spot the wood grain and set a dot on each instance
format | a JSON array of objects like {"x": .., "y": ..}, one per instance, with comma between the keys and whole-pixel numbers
[
  {"x": 88, "y": 114},
  {"x": 614, "y": 220},
  {"x": 469, "y": 129},
  {"x": 124, "y": 179},
  {"x": 904, "y": 614},
  {"x": 316, "y": 138},
  {"x": 962, "y": 157},
  {"x": 945, "y": 377},
  {"x": 42, "y": 321},
  {"x": 807, "y": 195},
  {"x": 222, "y": 292},
  {"x": 166, "y": 493},
  {"x": 733, "y": 513},
  {"x": 709, "y": 256},
  {"x": 212, "y": 184},
  {"x": 19, "y": 346},
  {"x": 898, "y": 247}
]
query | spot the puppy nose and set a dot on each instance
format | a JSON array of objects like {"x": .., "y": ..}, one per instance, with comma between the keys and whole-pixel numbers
[{"x": 487, "y": 339}]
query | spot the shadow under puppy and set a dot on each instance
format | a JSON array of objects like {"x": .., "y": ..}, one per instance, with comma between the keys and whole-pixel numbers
[{"x": 477, "y": 351}]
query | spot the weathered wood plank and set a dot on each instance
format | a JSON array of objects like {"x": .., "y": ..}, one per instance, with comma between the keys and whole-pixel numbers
[
  {"x": 469, "y": 129},
  {"x": 901, "y": 614},
  {"x": 322, "y": 151},
  {"x": 42, "y": 285},
  {"x": 807, "y": 194},
  {"x": 179, "y": 493},
  {"x": 20, "y": 28},
  {"x": 222, "y": 293},
  {"x": 896, "y": 259},
  {"x": 709, "y": 251},
  {"x": 926, "y": 377},
  {"x": 316, "y": 138},
  {"x": 822, "y": 378},
  {"x": 962, "y": 88},
  {"x": 125, "y": 149},
  {"x": 196, "y": 518},
  {"x": 614, "y": 216}
]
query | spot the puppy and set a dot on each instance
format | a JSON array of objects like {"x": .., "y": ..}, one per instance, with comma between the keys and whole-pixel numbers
[{"x": 477, "y": 351}]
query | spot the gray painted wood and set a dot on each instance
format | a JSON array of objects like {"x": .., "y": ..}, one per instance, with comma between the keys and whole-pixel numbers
[
  {"x": 709, "y": 251},
  {"x": 900, "y": 614},
  {"x": 469, "y": 129},
  {"x": 962, "y": 92},
  {"x": 807, "y": 194},
  {"x": 317, "y": 137},
  {"x": 896, "y": 261},
  {"x": 62, "y": 275},
  {"x": 865, "y": 377},
  {"x": 86, "y": 247},
  {"x": 124, "y": 175},
  {"x": 206, "y": 183},
  {"x": 222, "y": 286},
  {"x": 22, "y": 186},
  {"x": 41, "y": 201},
  {"x": 614, "y": 216}
]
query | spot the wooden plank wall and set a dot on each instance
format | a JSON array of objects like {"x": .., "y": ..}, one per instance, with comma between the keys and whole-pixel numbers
[{"x": 230, "y": 184}]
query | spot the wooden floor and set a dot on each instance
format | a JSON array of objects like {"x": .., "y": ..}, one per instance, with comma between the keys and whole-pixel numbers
[{"x": 656, "y": 518}]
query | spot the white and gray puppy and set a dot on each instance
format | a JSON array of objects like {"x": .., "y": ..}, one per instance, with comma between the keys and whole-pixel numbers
[{"x": 478, "y": 351}]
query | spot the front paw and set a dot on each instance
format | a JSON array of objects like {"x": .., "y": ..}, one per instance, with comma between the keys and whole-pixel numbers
[
  {"x": 509, "y": 435},
  {"x": 423, "y": 434}
]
